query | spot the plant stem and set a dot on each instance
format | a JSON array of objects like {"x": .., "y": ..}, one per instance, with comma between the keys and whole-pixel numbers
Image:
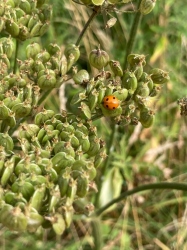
[
  {"x": 97, "y": 234},
  {"x": 16, "y": 56},
  {"x": 133, "y": 33},
  {"x": 44, "y": 96},
  {"x": 160, "y": 185},
  {"x": 106, "y": 163},
  {"x": 95, "y": 12}
]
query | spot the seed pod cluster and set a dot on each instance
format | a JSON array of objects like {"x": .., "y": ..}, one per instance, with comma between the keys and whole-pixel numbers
[
  {"x": 120, "y": 94},
  {"x": 25, "y": 18},
  {"x": 59, "y": 158}
]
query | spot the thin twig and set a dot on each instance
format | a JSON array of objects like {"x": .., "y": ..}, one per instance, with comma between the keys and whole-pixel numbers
[
  {"x": 132, "y": 36},
  {"x": 160, "y": 185},
  {"x": 95, "y": 12}
]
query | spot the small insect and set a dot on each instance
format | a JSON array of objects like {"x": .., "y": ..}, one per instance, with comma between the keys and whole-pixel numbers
[{"x": 110, "y": 102}]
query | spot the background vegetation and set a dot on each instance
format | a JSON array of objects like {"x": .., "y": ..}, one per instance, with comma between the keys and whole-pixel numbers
[{"x": 153, "y": 219}]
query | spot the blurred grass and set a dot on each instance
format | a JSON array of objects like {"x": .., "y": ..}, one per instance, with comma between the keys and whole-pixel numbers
[{"x": 153, "y": 219}]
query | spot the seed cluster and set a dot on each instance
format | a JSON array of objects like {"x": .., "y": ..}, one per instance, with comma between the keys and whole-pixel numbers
[
  {"x": 132, "y": 87},
  {"x": 24, "y": 19},
  {"x": 57, "y": 165}
]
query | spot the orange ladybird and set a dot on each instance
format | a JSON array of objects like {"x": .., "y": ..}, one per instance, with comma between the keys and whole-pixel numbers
[{"x": 110, "y": 102}]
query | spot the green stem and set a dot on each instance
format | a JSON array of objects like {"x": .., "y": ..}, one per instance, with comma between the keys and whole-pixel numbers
[
  {"x": 95, "y": 12},
  {"x": 106, "y": 163},
  {"x": 44, "y": 96},
  {"x": 132, "y": 36},
  {"x": 160, "y": 185},
  {"x": 16, "y": 56},
  {"x": 97, "y": 234}
]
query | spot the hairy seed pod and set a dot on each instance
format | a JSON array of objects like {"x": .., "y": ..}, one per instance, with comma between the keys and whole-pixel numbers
[
  {"x": 111, "y": 112},
  {"x": 2, "y": 23},
  {"x": 155, "y": 91},
  {"x": 23, "y": 187},
  {"x": 63, "y": 65},
  {"x": 4, "y": 111},
  {"x": 54, "y": 198},
  {"x": 32, "y": 21},
  {"x": 47, "y": 82},
  {"x": 159, "y": 76},
  {"x": 34, "y": 221},
  {"x": 8, "y": 47},
  {"x": 32, "y": 50},
  {"x": 25, "y": 6},
  {"x": 136, "y": 59},
  {"x": 61, "y": 160},
  {"x": 44, "y": 28},
  {"x": 102, "y": 94},
  {"x": 98, "y": 58},
  {"x": 82, "y": 186},
  {"x": 81, "y": 77},
  {"x": 93, "y": 99},
  {"x": 121, "y": 94},
  {"x": 116, "y": 68},
  {"x": 13, "y": 218},
  {"x": 58, "y": 223},
  {"x": 23, "y": 33},
  {"x": 129, "y": 81},
  {"x": 8, "y": 171},
  {"x": 12, "y": 198},
  {"x": 53, "y": 49},
  {"x": 71, "y": 191},
  {"x": 94, "y": 146},
  {"x": 6, "y": 142},
  {"x": 85, "y": 111},
  {"x": 81, "y": 127},
  {"x": 146, "y": 117},
  {"x": 146, "y": 6},
  {"x": 22, "y": 109},
  {"x": 43, "y": 116},
  {"x": 78, "y": 97},
  {"x": 10, "y": 3},
  {"x": 109, "y": 89},
  {"x": 142, "y": 89},
  {"x": 63, "y": 182},
  {"x": 64, "y": 147},
  {"x": 38, "y": 197},
  {"x": 138, "y": 70},
  {"x": 72, "y": 50},
  {"x": 2, "y": 9},
  {"x": 5, "y": 60},
  {"x": 24, "y": 20},
  {"x": 43, "y": 56},
  {"x": 35, "y": 31},
  {"x": 27, "y": 168}
]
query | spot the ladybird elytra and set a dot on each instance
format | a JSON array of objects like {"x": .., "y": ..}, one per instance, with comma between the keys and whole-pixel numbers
[{"x": 110, "y": 102}]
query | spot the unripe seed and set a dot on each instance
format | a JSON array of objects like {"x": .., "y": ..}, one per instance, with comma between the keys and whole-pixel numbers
[
  {"x": 116, "y": 68},
  {"x": 146, "y": 117},
  {"x": 159, "y": 76},
  {"x": 25, "y": 6},
  {"x": 81, "y": 76},
  {"x": 147, "y": 6},
  {"x": 129, "y": 81},
  {"x": 98, "y": 58},
  {"x": 32, "y": 50}
]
